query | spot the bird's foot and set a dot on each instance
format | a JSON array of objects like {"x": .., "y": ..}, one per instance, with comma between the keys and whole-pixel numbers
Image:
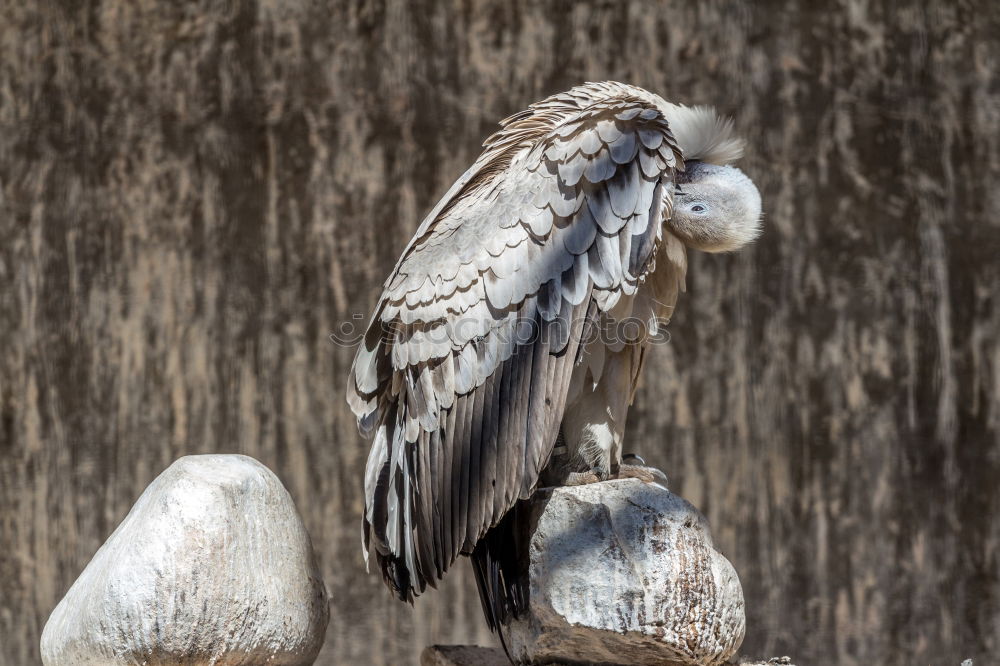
[
  {"x": 647, "y": 474},
  {"x": 640, "y": 471},
  {"x": 581, "y": 478},
  {"x": 637, "y": 468}
]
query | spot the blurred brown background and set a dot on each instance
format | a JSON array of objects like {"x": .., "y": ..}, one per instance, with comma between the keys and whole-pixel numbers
[{"x": 196, "y": 195}]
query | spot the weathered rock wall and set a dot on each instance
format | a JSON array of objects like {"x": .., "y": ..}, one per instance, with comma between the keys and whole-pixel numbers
[{"x": 194, "y": 196}]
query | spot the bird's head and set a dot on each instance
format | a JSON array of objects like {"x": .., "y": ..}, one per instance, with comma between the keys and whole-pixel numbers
[{"x": 716, "y": 208}]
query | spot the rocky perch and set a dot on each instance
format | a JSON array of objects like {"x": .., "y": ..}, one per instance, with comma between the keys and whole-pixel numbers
[
  {"x": 211, "y": 566},
  {"x": 619, "y": 572},
  {"x": 625, "y": 572},
  {"x": 474, "y": 655}
]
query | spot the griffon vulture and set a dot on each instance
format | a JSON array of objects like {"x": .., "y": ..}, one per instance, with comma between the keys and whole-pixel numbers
[{"x": 517, "y": 320}]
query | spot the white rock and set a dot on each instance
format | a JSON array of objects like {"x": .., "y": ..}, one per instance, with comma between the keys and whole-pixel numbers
[
  {"x": 211, "y": 566},
  {"x": 625, "y": 572}
]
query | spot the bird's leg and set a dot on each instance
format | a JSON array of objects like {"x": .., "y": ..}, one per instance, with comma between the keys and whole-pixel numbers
[
  {"x": 559, "y": 471},
  {"x": 594, "y": 428}
]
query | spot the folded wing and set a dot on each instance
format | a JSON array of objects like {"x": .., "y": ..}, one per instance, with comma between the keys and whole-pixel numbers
[{"x": 463, "y": 374}]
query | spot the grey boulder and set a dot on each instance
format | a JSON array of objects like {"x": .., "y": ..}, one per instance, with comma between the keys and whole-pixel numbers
[
  {"x": 624, "y": 572},
  {"x": 212, "y": 565}
]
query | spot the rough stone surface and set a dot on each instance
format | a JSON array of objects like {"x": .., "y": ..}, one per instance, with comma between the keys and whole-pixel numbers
[
  {"x": 462, "y": 655},
  {"x": 625, "y": 572},
  {"x": 475, "y": 655},
  {"x": 211, "y": 566}
]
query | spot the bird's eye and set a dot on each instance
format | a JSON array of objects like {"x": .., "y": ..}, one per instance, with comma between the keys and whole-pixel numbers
[{"x": 698, "y": 208}]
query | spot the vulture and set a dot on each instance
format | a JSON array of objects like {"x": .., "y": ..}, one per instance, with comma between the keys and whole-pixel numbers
[{"x": 509, "y": 338}]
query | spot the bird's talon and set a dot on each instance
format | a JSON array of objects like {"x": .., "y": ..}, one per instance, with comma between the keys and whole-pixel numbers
[
  {"x": 641, "y": 472},
  {"x": 633, "y": 459}
]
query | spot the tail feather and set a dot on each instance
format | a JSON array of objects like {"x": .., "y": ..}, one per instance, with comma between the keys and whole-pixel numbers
[
  {"x": 388, "y": 509},
  {"x": 498, "y": 563}
]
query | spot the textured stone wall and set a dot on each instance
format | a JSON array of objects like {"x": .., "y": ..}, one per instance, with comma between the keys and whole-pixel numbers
[{"x": 193, "y": 196}]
